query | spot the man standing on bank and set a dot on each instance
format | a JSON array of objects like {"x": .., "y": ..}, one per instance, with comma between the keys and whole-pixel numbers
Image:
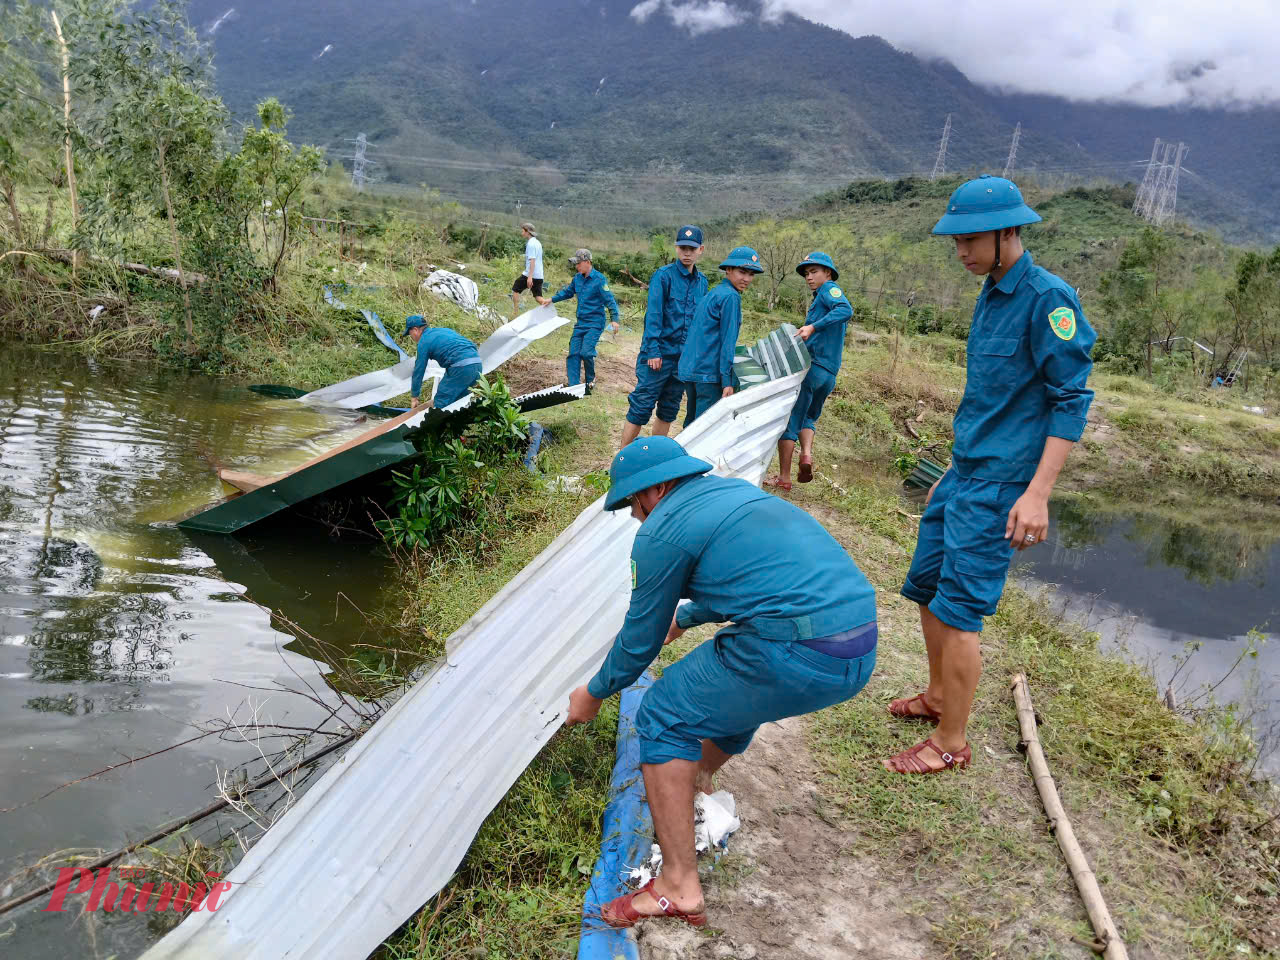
[
  {"x": 801, "y": 636},
  {"x": 706, "y": 360},
  {"x": 674, "y": 293},
  {"x": 532, "y": 277},
  {"x": 823, "y": 331},
  {"x": 591, "y": 287},
  {"x": 1024, "y": 407}
]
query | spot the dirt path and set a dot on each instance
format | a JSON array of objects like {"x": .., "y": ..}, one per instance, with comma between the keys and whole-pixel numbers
[{"x": 793, "y": 886}]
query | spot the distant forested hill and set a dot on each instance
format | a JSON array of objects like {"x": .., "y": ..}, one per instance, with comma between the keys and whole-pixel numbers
[{"x": 580, "y": 105}]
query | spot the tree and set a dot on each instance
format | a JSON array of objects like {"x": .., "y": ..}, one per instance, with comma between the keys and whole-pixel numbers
[
  {"x": 780, "y": 249},
  {"x": 1140, "y": 297}
]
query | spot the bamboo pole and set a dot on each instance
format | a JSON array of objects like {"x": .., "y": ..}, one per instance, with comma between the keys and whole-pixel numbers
[
  {"x": 66, "y": 116},
  {"x": 1086, "y": 882}
]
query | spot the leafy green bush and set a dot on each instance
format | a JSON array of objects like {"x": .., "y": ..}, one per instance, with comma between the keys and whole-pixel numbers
[{"x": 452, "y": 484}]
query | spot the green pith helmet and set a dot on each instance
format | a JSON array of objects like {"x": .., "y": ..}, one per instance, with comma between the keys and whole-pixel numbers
[
  {"x": 987, "y": 203},
  {"x": 818, "y": 259},
  {"x": 645, "y": 462},
  {"x": 743, "y": 257}
]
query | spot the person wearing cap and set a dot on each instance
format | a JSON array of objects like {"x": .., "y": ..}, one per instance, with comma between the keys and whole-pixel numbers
[
  {"x": 823, "y": 332},
  {"x": 800, "y": 636},
  {"x": 1024, "y": 406},
  {"x": 706, "y": 360},
  {"x": 532, "y": 277},
  {"x": 674, "y": 293},
  {"x": 451, "y": 350},
  {"x": 591, "y": 287}
]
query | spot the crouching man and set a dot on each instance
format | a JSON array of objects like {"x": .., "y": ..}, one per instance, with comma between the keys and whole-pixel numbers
[{"x": 801, "y": 636}]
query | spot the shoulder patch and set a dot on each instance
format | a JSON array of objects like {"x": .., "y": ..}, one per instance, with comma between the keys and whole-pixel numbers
[
  {"x": 605, "y": 288},
  {"x": 633, "y": 575},
  {"x": 835, "y": 293},
  {"x": 1063, "y": 322}
]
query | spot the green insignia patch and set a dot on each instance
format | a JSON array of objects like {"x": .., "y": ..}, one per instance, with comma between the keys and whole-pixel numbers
[
  {"x": 835, "y": 292},
  {"x": 1063, "y": 322},
  {"x": 606, "y": 288},
  {"x": 633, "y": 574}
]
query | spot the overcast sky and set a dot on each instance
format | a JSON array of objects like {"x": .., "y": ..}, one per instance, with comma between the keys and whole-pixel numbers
[{"x": 1141, "y": 51}]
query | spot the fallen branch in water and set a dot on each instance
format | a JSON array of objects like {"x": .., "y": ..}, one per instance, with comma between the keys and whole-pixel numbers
[{"x": 1060, "y": 826}]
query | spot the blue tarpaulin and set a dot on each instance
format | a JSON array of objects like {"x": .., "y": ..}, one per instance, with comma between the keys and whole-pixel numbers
[
  {"x": 374, "y": 321},
  {"x": 627, "y": 837}
]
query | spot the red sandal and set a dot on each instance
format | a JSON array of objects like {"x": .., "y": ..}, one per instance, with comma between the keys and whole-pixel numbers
[
  {"x": 620, "y": 914},
  {"x": 902, "y": 709},
  {"x": 779, "y": 484},
  {"x": 806, "y": 469},
  {"x": 910, "y": 758}
]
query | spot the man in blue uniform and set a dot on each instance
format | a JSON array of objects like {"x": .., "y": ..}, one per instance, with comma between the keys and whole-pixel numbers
[
  {"x": 591, "y": 287},
  {"x": 1024, "y": 407},
  {"x": 674, "y": 293},
  {"x": 706, "y": 361},
  {"x": 450, "y": 349},
  {"x": 801, "y": 636},
  {"x": 823, "y": 331}
]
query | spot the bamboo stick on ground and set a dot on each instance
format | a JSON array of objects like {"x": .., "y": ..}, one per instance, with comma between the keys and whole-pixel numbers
[{"x": 1086, "y": 882}]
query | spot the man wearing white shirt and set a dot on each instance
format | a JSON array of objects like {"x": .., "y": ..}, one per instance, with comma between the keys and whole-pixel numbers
[{"x": 531, "y": 278}]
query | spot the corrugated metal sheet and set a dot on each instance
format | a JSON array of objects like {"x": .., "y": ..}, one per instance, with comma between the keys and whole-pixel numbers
[
  {"x": 384, "y": 829},
  {"x": 508, "y": 340}
]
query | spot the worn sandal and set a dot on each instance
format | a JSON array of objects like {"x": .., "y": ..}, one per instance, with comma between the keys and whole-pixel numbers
[
  {"x": 779, "y": 484},
  {"x": 902, "y": 709},
  {"x": 910, "y": 759},
  {"x": 620, "y": 914},
  {"x": 806, "y": 469}
]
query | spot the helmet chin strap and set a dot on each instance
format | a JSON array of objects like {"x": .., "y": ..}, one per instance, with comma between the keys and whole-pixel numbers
[{"x": 997, "y": 233}]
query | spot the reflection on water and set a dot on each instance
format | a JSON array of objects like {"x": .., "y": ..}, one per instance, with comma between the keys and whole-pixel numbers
[
  {"x": 1155, "y": 585},
  {"x": 117, "y": 630}
]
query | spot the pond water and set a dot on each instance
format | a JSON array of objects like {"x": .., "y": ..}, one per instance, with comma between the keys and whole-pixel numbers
[
  {"x": 118, "y": 631},
  {"x": 1158, "y": 588}
]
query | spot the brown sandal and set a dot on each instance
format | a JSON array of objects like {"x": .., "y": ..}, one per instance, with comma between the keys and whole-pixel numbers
[
  {"x": 620, "y": 914},
  {"x": 910, "y": 758},
  {"x": 779, "y": 484},
  {"x": 806, "y": 469},
  {"x": 902, "y": 709}
]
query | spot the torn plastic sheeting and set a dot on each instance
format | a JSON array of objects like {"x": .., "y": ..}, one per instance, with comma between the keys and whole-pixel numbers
[
  {"x": 371, "y": 318},
  {"x": 505, "y": 342},
  {"x": 462, "y": 291},
  {"x": 328, "y": 472},
  {"x": 627, "y": 833},
  {"x": 384, "y": 829}
]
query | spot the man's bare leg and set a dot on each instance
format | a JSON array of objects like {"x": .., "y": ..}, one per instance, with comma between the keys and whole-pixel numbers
[
  {"x": 785, "y": 449},
  {"x": 713, "y": 758},
  {"x": 806, "y": 443},
  {"x": 630, "y": 431},
  {"x": 661, "y": 428},
  {"x": 669, "y": 787},
  {"x": 955, "y": 664}
]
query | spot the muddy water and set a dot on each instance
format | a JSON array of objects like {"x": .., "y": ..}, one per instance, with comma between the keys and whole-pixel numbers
[
  {"x": 1163, "y": 590},
  {"x": 119, "y": 631}
]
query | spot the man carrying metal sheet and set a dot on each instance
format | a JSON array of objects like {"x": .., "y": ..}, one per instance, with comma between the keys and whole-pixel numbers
[
  {"x": 450, "y": 349},
  {"x": 674, "y": 293},
  {"x": 801, "y": 636},
  {"x": 1023, "y": 409}
]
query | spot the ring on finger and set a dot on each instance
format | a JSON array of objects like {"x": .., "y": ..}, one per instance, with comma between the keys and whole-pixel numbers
[{"x": 1030, "y": 538}]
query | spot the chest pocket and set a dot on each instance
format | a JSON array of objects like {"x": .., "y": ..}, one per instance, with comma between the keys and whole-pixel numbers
[{"x": 994, "y": 360}]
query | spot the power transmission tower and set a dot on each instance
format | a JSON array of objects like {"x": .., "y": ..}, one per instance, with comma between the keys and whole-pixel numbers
[
  {"x": 1142, "y": 202},
  {"x": 940, "y": 164},
  {"x": 1013, "y": 151},
  {"x": 360, "y": 163},
  {"x": 1169, "y": 197}
]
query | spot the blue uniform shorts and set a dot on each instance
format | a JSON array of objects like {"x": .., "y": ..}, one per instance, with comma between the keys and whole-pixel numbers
[
  {"x": 962, "y": 558},
  {"x": 725, "y": 688},
  {"x": 660, "y": 388},
  {"x": 455, "y": 383},
  {"x": 814, "y": 390}
]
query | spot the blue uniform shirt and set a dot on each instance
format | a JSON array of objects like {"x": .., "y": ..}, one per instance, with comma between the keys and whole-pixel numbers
[
  {"x": 594, "y": 298},
  {"x": 707, "y": 356},
  {"x": 1028, "y": 361},
  {"x": 829, "y": 314},
  {"x": 740, "y": 554},
  {"x": 446, "y": 347},
  {"x": 674, "y": 293}
]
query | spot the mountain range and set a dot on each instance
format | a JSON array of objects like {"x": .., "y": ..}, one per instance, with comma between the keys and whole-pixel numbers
[{"x": 579, "y": 105}]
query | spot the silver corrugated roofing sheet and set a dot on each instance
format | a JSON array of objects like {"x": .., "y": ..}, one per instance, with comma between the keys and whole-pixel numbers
[
  {"x": 385, "y": 827},
  {"x": 505, "y": 342}
]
